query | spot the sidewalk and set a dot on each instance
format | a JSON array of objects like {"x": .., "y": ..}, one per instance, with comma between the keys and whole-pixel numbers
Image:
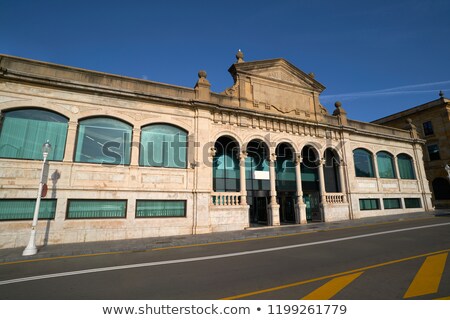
[{"x": 74, "y": 249}]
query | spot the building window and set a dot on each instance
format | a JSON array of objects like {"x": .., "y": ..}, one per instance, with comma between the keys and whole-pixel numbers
[
  {"x": 369, "y": 204},
  {"x": 405, "y": 166},
  {"x": 163, "y": 145},
  {"x": 412, "y": 203},
  {"x": 433, "y": 152},
  {"x": 363, "y": 163},
  {"x": 90, "y": 209},
  {"x": 160, "y": 208},
  {"x": 392, "y": 203},
  {"x": 103, "y": 140},
  {"x": 23, "y": 209},
  {"x": 226, "y": 171},
  {"x": 24, "y": 131},
  {"x": 441, "y": 189},
  {"x": 385, "y": 164},
  {"x": 428, "y": 128}
]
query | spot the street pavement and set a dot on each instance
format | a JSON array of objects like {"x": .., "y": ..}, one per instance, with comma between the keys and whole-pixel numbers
[{"x": 136, "y": 245}]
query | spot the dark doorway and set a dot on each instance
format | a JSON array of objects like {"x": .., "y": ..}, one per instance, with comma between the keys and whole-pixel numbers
[
  {"x": 257, "y": 181},
  {"x": 258, "y": 210},
  {"x": 310, "y": 183},
  {"x": 286, "y": 185}
]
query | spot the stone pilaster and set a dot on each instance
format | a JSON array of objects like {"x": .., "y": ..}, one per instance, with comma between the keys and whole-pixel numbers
[{"x": 70, "y": 141}]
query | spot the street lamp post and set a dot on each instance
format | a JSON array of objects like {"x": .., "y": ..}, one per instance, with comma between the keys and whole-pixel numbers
[{"x": 31, "y": 247}]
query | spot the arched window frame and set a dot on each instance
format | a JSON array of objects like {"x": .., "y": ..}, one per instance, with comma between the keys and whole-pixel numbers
[
  {"x": 405, "y": 165},
  {"x": 166, "y": 144},
  {"x": 95, "y": 146},
  {"x": 385, "y": 165},
  {"x": 226, "y": 169},
  {"x": 363, "y": 157},
  {"x": 25, "y": 130}
]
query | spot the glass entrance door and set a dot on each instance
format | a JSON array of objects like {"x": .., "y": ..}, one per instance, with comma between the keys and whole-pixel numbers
[{"x": 258, "y": 209}]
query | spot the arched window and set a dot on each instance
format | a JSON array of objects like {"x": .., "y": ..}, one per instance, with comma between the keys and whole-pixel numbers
[
  {"x": 285, "y": 168},
  {"x": 24, "y": 131},
  {"x": 405, "y": 166},
  {"x": 363, "y": 163},
  {"x": 441, "y": 188},
  {"x": 331, "y": 171},
  {"x": 385, "y": 163},
  {"x": 103, "y": 140},
  {"x": 163, "y": 145},
  {"x": 226, "y": 171}
]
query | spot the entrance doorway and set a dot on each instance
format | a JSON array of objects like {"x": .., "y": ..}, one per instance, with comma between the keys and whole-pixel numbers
[
  {"x": 258, "y": 209},
  {"x": 310, "y": 183},
  {"x": 257, "y": 181},
  {"x": 312, "y": 200},
  {"x": 286, "y": 200}
]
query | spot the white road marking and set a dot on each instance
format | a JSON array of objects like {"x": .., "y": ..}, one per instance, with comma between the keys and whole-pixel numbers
[{"x": 220, "y": 256}]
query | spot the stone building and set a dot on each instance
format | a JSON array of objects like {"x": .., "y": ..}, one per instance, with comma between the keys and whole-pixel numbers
[
  {"x": 432, "y": 120},
  {"x": 133, "y": 158}
]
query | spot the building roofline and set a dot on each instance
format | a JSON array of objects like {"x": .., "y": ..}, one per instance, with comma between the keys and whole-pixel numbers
[{"x": 419, "y": 108}]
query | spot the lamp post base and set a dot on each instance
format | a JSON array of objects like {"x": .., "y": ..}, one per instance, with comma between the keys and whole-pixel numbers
[{"x": 31, "y": 247}]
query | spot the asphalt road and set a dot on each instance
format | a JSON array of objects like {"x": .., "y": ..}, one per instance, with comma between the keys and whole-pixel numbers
[{"x": 396, "y": 260}]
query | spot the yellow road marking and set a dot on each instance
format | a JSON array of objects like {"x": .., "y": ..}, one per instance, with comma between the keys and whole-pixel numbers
[
  {"x": 428, "y": 278},
  {"x": 295, "y": 284},
  {"x": 332, "y": 287},
  {"x": 208, "y": 244}
]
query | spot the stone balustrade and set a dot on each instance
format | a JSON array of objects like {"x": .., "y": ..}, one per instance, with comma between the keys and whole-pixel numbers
[
  {"x": 225, "y": 198},
  {"x": 334, "y": 198}
]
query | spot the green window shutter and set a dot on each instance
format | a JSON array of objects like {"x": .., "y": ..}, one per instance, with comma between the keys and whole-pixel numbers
[
  {"x": 103, "y": 140},
  {"x": 160, "y": 208},
  {"x": 91, "y": 209},
  {"x": 163, "y": 145},
  {"x": 412, "y": 203},
  {"x": 24, "y": 132},
  {"x": 363, "y": 163},
  {"x": 385, "y": 165},
  {"x": 23, "y": 209},
  {"x": 405, "y": 166},
  {"x": 369, "y": 204},
  {"x": 392, "y": 203}
]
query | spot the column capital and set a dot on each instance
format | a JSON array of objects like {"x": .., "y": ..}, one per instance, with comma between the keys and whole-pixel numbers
[
  {"x": 242, "y": 155},
  {"x": 212, "y": 152},
  {"x": 272, "y": 157},
  {"x": 298, "y": 158}
]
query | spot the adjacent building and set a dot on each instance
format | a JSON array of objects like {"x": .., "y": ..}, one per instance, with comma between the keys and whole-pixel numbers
[
  {"x": 432, "y": 120},
  {"x": 133, "y": 158}
]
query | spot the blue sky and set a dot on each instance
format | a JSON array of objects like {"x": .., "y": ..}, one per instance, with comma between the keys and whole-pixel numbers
[{"x": 376, "y": 57}]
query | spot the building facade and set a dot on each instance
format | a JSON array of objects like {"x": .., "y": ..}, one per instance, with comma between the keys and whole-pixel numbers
[
  {"x": 432, "y": 120},
  {"x": 132, "y": 158}
]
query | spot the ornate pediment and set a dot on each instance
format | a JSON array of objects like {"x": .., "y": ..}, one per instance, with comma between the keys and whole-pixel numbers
[
  {"x": 277, "y": 70},
  {"x": 275, "y": 86}
]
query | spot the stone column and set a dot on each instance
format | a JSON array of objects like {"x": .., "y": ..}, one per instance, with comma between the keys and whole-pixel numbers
[
  {"x": 273, "y": 218},
  {"x": 322, "y": 181},
  {"x": 135, "y": 147},
  {"x": 323, "y": 200},
  {"x": 300, "y": 208},
  {"x": 242, "y": 157},
  {"x": 70, "y": 144},
  {"x": 341, "y": 178}
]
